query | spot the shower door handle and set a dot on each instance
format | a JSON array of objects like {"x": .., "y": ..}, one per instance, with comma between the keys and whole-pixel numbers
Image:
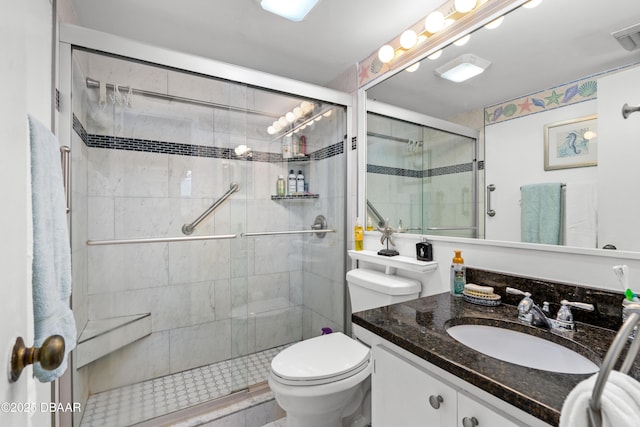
[{"x": 490, "y": 189}]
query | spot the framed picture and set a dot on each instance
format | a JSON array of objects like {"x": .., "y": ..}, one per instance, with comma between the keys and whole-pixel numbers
[{"x": 571, "y": 144}]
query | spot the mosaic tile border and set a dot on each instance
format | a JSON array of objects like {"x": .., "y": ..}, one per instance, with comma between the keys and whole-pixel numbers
[
  {"x": 410, "y": 173},
  {"x": 584, "y": 89},
  {"x": 175, "y": 148}
]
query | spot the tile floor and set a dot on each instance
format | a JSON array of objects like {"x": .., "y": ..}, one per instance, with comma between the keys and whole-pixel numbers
[{"x": 160, "y": 396}]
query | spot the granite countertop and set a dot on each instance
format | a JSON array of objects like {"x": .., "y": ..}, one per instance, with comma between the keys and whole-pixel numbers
[{"x": 419, "y": 327}]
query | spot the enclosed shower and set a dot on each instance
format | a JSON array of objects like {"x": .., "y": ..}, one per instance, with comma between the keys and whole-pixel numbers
[{"x": 190, "y": 269}]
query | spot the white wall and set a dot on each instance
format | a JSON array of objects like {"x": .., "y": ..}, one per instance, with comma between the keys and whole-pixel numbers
[
  {"x": 514, "y": 153},
  {"x": 618, "y": 156},
  {"x": 25, "y": 70}
]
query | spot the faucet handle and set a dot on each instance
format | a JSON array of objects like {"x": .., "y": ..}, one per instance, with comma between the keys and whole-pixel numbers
[
  {"x": 580, "y": 305},
  {"x": 515, "y": 291}
]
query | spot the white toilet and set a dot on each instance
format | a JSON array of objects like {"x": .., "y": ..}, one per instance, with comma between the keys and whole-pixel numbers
[{"x": 323, "y": 381}]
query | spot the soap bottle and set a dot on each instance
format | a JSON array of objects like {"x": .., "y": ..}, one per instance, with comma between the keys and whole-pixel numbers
[
  {"x": 458, "y": 274},
  {"x": 300, "y": 182},
  {"x": 281, "y": 186},
  {"x": 358, "y": 234},
  {"x": 291, "y": 183},
  {"x": 286, "y": 146},
  {"x": 369, "y": 224}
]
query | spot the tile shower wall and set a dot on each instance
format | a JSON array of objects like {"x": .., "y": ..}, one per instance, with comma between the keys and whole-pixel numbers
[{"x": 209, "y": 300}]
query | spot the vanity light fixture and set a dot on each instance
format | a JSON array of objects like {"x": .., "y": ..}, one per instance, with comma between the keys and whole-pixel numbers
[
  {"x": 293, "y": 10},
  {"x": 463, "y": 68}
]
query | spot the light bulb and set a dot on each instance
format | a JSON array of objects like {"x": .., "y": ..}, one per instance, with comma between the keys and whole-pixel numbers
[
  {"x": 271, "y": 130},
  {"x": 495, "y": 23},
  {"x": 435, "y": 55},
  {"x": 386, "y": 54},
  {"x": 462, "y": 40},
  {"x": 276, "y": 126},
  {"x": 306, "y": 107},
  {"x": 408, "y": 39},
  {"x": 434, "y": 22},
  {"x": 531, "y": 4},
  {"x": 290, "y": 117},
  {"x": 282, "y": 121},
  {"x": 413, "y": 68},
  {"x": 464, "y": 6},
  {"x": 298, "y": 112},
  {"x": 328, "y": 113}
]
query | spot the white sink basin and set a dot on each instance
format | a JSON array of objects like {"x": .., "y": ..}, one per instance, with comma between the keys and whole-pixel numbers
[{"x": 522, "y": 349}]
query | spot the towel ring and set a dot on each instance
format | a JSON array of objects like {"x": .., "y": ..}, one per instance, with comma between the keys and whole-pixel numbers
[{"x": 50, "y": 355}]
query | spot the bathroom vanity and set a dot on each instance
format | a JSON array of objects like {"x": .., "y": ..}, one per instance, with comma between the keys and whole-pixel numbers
[{"x": 422, "y": 376}]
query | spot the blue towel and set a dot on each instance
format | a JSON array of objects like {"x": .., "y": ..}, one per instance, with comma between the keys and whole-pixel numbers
[
  {"x": 541, "y": 213},
  {"x": 51, "y": 248}
]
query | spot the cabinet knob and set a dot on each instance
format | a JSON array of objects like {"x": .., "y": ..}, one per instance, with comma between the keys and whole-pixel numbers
[
  {"x": 470, "y": 422},
  {"x": 435, "y": 401}
]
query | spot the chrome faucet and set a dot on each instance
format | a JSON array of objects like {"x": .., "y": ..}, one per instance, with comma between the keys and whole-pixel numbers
[{"x": 530, "y": 312}]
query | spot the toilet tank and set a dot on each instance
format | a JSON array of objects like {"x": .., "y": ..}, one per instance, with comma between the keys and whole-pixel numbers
[{"x": 370, "y": 289}]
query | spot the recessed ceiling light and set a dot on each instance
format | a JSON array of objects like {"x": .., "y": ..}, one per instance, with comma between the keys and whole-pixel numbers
[
  {"x": 463, "y": 68},
  {"x": 293, "y": 10}
]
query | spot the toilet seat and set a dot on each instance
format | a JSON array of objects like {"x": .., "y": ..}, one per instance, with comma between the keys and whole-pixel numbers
[{"x": 320, "y": 360}]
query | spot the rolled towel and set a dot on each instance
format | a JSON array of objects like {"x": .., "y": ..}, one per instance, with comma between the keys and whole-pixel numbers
[{"x": 620, "y": 402}]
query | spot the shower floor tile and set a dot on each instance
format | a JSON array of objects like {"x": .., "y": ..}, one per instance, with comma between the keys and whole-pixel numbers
[{"x": 153, "y": 398}]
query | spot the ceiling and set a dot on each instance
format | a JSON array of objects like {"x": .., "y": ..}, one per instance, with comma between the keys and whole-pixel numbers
[
  {"x": 333, "y": 37},
  {"x": 534, "y": 49}
]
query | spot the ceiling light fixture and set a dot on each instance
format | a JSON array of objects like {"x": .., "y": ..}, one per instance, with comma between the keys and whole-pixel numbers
[
  {"x": 293, "y": 10},
  {"x": 463, "y": 68}
]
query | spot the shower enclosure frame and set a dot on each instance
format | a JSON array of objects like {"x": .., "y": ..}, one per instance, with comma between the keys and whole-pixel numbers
[{"x": 71, "y": 36}]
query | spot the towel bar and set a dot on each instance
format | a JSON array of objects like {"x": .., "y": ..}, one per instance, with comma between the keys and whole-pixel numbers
[
  {"x": 50, "y": 355},
  {"x": 618, "y": 344}
]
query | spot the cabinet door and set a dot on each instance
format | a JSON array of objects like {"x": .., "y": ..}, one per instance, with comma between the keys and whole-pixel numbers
[
  {"x": 478, "y": 414},
  {"x": 401, "y": 394}
]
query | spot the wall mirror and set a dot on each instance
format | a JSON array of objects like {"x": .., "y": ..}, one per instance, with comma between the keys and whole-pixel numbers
[{"x": 545, "y": 64}]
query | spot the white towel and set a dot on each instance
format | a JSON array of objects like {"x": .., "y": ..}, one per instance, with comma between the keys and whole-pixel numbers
[
  {"x": 51, "y": 249},
  {"x": 581, "y": 215},
  {"x": 620, "y": 402}
]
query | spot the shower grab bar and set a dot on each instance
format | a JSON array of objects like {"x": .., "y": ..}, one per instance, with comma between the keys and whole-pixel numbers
[
  {"x": 65, "y": 154},
  {"x": 188, "y": 228},
  {"x": 319, "y": 227},
  {"x": 277, "y": 233},
  {"x": 375, "y": 213},
  {"x": 451, "y": 228},
  {"x": 159, "y": 240},
  {"x": 490, "y": 188},
  {"x": 618, "y": 344}
]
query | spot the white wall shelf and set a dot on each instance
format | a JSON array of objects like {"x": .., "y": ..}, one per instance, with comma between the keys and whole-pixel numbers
[{"x": 400, "y": 262}]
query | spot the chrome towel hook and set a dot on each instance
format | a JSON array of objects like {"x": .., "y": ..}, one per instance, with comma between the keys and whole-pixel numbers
[{"x": 627, "y": 110}]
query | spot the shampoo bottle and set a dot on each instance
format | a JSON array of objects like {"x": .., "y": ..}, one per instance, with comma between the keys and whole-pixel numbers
[
  {"x": 286, "y": 146},
  {"x": 281, "y": 186},
  {"x": 291, "y": 183},
  {"x": 458, "y": 274},
  {"x": 358, "y": 234},
  {"x": 300, "y": 182}
]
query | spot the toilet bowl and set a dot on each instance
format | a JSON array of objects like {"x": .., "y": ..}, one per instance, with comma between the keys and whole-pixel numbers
[
  {"x": 323, "y": 381},
  {"x": 320, "y": 381}
]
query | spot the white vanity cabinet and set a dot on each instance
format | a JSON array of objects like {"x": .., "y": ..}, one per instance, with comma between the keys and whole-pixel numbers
[
  {"x": 406, "y": 394},
  {"x": 403, "y": 394}
]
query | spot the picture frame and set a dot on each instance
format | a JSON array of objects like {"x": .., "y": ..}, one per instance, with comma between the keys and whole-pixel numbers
[{"x": 571, "y": 143}]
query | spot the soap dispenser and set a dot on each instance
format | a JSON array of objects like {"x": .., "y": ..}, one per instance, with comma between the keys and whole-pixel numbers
[{"x": 458, "y": 274}]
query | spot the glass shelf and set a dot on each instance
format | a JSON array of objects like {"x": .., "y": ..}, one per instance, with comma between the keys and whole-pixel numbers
[{"x": 296, "y": 197}]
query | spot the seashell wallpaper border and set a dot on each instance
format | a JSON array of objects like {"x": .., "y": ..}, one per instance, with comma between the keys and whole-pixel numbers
[{"x": 574, "y": 92}]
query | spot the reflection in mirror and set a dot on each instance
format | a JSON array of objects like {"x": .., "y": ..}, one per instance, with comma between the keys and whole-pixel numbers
[
  {"x": 420, "y": 178},
  {"x": 545, "y": 70}
]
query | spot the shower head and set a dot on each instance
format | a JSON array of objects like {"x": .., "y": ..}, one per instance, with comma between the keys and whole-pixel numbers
[{"x": 628, "y": 37}]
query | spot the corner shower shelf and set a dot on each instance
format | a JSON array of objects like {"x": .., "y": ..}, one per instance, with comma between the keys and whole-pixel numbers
[
  {"x": 101, "y": 337},
  {"x": 400, "y": 262},
  {"x": 296, "y": 197}
]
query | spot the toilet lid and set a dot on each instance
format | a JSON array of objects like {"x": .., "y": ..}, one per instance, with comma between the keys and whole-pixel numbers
[{"x": 320, "y": 360}]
